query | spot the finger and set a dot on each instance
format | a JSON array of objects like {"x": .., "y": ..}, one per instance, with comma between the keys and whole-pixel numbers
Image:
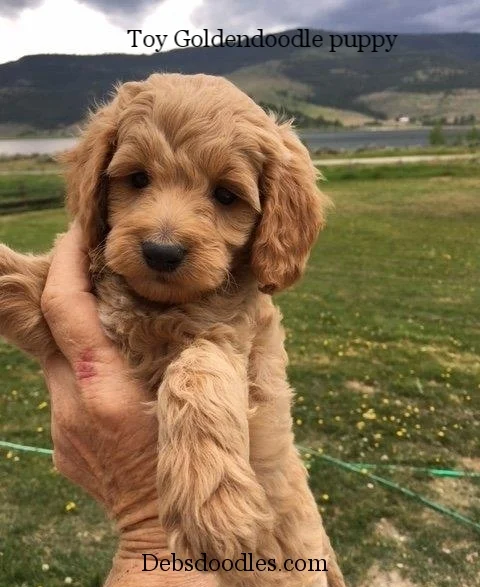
[
  {"x": 61, "y": 385},
  {"x": 69, "y": 269},
  {"x": 69, "y": 306}
]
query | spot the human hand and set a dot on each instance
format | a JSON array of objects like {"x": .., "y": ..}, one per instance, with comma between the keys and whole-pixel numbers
[{"x": 104, "y": 435}]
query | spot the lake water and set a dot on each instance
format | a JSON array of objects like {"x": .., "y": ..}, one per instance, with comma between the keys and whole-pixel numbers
[
  {"x": 337, "y": 140},
  {"x": 352, "y": 140},
  {"x": 34, "y": 146}
]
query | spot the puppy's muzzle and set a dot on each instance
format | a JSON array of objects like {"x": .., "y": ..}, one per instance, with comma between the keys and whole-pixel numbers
[{"x": 163, "y": 257}]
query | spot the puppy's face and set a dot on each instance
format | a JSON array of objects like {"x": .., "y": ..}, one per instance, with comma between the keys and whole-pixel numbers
[
  {"x": 182, "y": 204},
  {"x": 182, "y": 181}
]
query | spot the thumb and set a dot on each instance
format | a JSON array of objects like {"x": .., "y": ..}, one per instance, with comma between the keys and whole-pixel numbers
[{"x": 68, "y": 305}]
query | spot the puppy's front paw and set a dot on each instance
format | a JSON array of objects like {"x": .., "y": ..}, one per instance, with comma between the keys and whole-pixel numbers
[
  {"x": 22, "y": 279},
  {"x": 8, "y": 262},
  {"x": 231, "y": 520}
]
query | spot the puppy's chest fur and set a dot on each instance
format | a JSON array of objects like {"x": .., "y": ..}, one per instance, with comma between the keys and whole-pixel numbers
[{"x": 153, "y": 335}]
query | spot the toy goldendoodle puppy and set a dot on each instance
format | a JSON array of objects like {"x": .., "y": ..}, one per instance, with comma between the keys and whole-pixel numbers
[{"x": 197, "y": 206}]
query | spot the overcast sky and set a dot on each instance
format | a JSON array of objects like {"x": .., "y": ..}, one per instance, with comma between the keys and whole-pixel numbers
[{"x": 99, "y": 26}]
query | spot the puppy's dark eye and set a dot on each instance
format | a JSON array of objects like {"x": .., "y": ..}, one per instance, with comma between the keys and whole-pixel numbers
[
  {"x": 224, "y": 196},
  {"x": 139, "y": 180}
]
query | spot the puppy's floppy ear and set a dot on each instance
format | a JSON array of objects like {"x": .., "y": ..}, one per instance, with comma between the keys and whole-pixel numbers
[
  {"x": 293, "y": 212},
  {"x": 85, "y": 167}
]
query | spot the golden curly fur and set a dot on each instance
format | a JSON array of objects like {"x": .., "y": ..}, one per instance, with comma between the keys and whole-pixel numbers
[{"x": 205, "y": 337}]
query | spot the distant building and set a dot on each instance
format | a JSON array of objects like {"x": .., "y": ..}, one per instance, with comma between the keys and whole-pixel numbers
[{"x": 403, "y": 119}]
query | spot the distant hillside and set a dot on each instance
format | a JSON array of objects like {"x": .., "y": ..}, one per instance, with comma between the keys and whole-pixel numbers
[{"x": 424, "y": 76}]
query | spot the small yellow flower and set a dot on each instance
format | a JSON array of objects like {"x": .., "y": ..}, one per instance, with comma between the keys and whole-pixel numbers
[
  {"x": 40, "y": 429},
  {"x": 42, "y": 406},
  {"x": 325, "y": 497},
  {"x": 360, "y": 425},
  {"x": 9, "y": 454},
  {"x": 441, "y": 433},
  {"x": 370, "y": 414},
  {"x": 298, "y": 421},
  {"x": 45, "y": 567},
  {"x": 70, "y": 506}
]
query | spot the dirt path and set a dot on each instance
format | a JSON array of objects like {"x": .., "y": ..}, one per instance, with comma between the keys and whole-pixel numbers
[{"x": 395, "y": 160}]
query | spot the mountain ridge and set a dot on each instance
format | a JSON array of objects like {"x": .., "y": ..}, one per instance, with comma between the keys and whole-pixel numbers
[{"x": 424, "y": 77}]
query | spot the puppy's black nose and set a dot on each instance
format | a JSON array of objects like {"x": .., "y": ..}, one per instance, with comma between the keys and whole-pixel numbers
[{"x": 163, "y": 257}]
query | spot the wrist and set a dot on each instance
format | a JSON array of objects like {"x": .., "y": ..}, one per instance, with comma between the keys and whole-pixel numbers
[
  {"x": 140, "y": 531},
  {"x": 130, "y": 569}
]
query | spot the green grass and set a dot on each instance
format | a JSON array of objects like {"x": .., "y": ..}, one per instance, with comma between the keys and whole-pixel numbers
[
  {"x": 383, "y": 337},
  {"x": 17, "y": 185},
  {"x": 433, "y": 171},
  {"x": 14, "y": 187}
]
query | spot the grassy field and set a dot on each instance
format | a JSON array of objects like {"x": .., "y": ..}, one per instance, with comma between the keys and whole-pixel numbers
[
  {"x": 18, "y": 185},
  {"x": 21, "y": 163},
  {"x": 384, "y": 339}
]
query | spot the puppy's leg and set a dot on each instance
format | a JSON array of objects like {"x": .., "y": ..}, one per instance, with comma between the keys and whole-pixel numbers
[
  {"x": 298, "y": 526},
  {"x": 210, "y": 500},
  {"x": 22, "y": 279}
]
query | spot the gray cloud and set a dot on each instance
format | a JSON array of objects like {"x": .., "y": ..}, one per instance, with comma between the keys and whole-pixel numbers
[
  {"x": 349, "y": 15},
  {"x": 13, "y": 7},
  {"x": 118, "y": 11},
  {"x": 368, "y": 15},
  {"x": 123, "y": 13}
]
